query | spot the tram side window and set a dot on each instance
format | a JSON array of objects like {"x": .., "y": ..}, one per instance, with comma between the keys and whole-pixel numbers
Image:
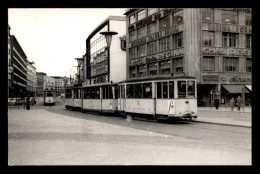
[
  {"x": 116, "y": 92},
  {"x": 171, "y": 89},
  {"x": 130, "y": 90},
  {"x": 68, "y": 93},
  {"x": 85, "y": 93},
  {"x": 76, "y": 94},
  {"x": 159, "y": 90},
  {"x": 89, "y": 93},
  {"x": 165, "y": 89},
  {"x": 97, "y": 94},
  {"x": 138, "y": 90},
  {"x": 191, "y": 88},
  {"x": 147, "y": 90},
  {"x": 181, "y": 89},
  {"x": 110, "y": 93}
]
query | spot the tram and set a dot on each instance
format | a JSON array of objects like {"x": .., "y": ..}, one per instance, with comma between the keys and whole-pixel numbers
[
  {"x": 159, "y": 97},
  {"x": 69, "y": 98},
  {"x": 49, "y": 97}
]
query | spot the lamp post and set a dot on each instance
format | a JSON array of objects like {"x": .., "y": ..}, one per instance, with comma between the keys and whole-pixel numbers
[{"x": 108, "y": 35}]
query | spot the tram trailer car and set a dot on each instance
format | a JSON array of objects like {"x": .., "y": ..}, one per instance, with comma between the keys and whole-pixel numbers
[
  {"x": 69, "y": 98},
  {"x": 49, "y": 97},
  {"x": 159, "y": 97}
]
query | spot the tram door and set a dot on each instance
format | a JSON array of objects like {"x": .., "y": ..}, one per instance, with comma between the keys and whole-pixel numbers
[{"x": 121, "y": 98}]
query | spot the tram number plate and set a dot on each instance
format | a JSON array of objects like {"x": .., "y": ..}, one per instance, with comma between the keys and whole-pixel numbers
[{"x": 171, "y": 106}]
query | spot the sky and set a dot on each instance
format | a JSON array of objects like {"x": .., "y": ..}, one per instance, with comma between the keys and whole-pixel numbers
[{"x": 54, "y": 37}]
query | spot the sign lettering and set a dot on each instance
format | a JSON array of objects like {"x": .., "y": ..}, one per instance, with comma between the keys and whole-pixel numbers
[
  {"x": 227, "y": 51},
  {"x": 227, "y": 28}
]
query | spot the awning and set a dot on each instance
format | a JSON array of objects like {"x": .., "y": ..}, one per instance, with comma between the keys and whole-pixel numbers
[
  {"x": 249, "y": 87},
  {"x": 234, "y": 88}
]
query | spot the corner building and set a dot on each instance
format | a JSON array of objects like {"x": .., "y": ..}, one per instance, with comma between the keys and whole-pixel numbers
[{"x": 212, "y": 44}]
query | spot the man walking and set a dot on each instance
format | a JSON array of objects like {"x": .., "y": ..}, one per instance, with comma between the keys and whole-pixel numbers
[
  {"x": 232, "y": 103},
  {"x": 217, "y": 102},
  {"x": 238, "y": 103}
]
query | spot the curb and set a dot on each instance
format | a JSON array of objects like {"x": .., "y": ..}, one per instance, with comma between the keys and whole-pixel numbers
[{"x": 226, "y": 124}]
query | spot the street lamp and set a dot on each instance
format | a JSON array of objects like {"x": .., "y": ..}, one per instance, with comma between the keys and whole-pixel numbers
[{"x": 108, "y": 35}]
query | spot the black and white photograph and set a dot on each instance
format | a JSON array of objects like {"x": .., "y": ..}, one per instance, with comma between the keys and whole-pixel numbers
[{"x": 129, "y": 87}]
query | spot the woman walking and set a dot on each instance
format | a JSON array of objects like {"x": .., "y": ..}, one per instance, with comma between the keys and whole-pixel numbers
[{"x": 232, "y": 103}]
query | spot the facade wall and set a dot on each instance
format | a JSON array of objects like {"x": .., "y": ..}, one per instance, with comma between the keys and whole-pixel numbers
[
  {"x": 31, "y": 78},
  {"x": 40, "y": 83}
]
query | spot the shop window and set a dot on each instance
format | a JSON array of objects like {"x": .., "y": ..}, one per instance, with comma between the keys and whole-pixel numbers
[
  {"x": 177, "y": 40},
  {"x": 248, "y": 18},
  {"x": 165, "y": 67},
  {"x": 177, "y": 18},
  {"x": 164, "y": 23},
  {"x": 132, "y": 53},
  {"x": 230, "y": 64},
  {"x": 191, "y": 88},
  {"x": 141, "y": 51},
  {"x": 147, "y": 90},
  {"x": 141, "y": 15},
  {"x": 152, "y": 48},
  {"x": 151, "y": 28},
  {"x": 208, "y": 38},
  {"x": 141, "y": 32},
  {"x": 165, "y": 89},
  {"x": 152, "y": 68},
  {"x": 230, "y": 40},
  {"x": 132, "y": 36},
  {"x": 178, "y": 65},
  {"x": 248, "y": 41},
  {"x": 229, "y": 17},
  {"x": 171, "y": 89},
  {"x": 130, "y": 90},
  {"x": 159, "y": 89},
  {"x": 248, "y": 65},
  {"x": 207, "y": 15},
  {"x": 164, "y": 44},
  {"x": 181, "y": 89},
  {"x": 141, "y": 71},
  {"x": 132, "y": 19},
  {"x": 138, "y": 90},
  {"x": 208, "y": 63},
  {"x": 151, "y": 11}
]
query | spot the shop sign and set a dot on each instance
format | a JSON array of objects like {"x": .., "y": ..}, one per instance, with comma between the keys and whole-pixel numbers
[
  {"x": 138, "y": 61},
  {"x": 227, "y": 28},
  {"x": 210, "y": 77},
  {"x": 165, "y": 55},
  {"x": 226, "y": 51},
  {"x": 247, "y": 10},
  {"x": 101, "y": 79},
  {"x": 235, "y": 78}
]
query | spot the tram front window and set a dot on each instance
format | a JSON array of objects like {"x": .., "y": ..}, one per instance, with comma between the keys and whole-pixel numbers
[
  {"x": 49, "y": 94},
  {"x": 181, "y": 89},
  {"x": 191, "y": 88}
]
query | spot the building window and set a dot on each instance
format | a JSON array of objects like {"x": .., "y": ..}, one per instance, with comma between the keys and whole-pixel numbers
[
  {"x": 132, "y": 53},
  {"x": 164, "y": 44},
  {"x": 248, "y": 65},
  {"x": 207, "y": 15},
  {"x": 151, "y": 28},
  {"x": 152, "y": 48},
  {"x": 248, "y": 41},
  {"x": 141, "y": 51},
  {"x": 132, "y": 36},
  {"x": 177, "y": 40},
  {"x": 230, "y": 64},
  {"x": 177, "y": 18},
  {"x": 140, "y": 15},
  {"x": 208, "y": 64},
  {"x": 164, "y": 23},
  {"x": 132, "y": 72},
  {"x": 208, "y": 38},
  {"x": 165, "y": 67},
  {"x": 151, "y": 11},
  {"x": 132, "y": 19},
  {"x": 229, "y": 17},
  {"x": 229, "y": 40},
  {"x": 141, "y": 71},
  {"x": 181, "y": 89},
  {"x": 141, "y": 32},
  {"x": 152, "y": 69},
  {"x": 248, "y": 18},
  {"x": 178, "y": 65}
]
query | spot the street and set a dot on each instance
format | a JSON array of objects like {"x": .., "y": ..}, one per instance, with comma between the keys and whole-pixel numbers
[{"x": 52, "y": 135}]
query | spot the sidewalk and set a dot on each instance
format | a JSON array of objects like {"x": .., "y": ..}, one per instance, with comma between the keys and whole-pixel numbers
[{"x": 224, "y": 115}]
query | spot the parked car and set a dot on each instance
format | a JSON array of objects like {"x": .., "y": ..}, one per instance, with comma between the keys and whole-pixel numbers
[{"x": 12, "y": 101}]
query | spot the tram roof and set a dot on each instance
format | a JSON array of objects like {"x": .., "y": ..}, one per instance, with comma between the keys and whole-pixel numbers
[{"x": 157, "y": 78}]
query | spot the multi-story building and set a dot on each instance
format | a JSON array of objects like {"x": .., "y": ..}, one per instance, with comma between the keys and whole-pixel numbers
[
  {"x": 106, "y": 64},
  {"x": 31, "y": 78},
  {"x": 9, "y": 59},
  {"x": 212, "y": 44},
  {"x": 58, "y": 84},
  {"x": 40, "y": 83},
  {"x": 19, "y": 75}
]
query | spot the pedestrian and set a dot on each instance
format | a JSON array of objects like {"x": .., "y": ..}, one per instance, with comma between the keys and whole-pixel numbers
[
  {"x": 217, "y": 102},
  {"x": 232, "y": 103},
  {"x": 238, "y": 103}
]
